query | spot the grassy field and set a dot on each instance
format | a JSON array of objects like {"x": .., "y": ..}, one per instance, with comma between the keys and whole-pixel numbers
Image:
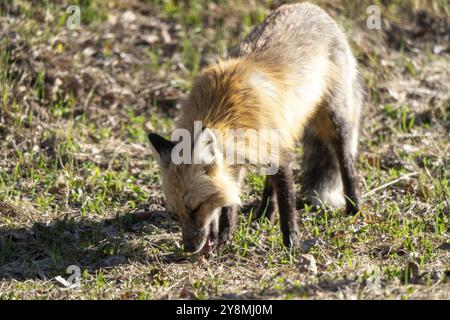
[{"x": 78, "y": 185}]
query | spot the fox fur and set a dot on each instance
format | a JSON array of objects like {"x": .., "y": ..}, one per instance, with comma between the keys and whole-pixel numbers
[{"x": 294, "y": 73}]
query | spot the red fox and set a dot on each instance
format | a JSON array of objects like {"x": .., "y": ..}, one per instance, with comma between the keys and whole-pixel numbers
[{"x": 294, "y": 73}]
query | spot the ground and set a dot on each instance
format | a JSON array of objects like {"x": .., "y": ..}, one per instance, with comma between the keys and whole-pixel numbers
[{"x": 78, "y": 185}]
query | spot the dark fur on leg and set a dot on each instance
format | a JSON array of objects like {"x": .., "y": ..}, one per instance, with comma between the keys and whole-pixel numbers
[
  {"x": 283, "y": 182},
  {"x": 227, "y": 223},
  {"x": 330, "y": 146},
  {"x": 348, "y": 172},
  {"x": 268, "y": 202}
]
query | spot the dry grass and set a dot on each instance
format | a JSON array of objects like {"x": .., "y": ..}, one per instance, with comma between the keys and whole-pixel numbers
[{"x": 78, "y": 186}]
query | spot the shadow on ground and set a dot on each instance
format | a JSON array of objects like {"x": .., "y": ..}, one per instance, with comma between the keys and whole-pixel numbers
[
  {"x": 45, "y": 250},
  {"x": 42, "y": 251}
]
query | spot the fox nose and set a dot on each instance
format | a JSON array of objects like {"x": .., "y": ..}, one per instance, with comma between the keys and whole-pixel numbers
[{"x": 189, "y": 248}]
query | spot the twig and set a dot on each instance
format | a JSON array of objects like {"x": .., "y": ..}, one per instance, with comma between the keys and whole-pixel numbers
[
  {"x": 406, "y": 176},
  {"x": 89, "y": 96}
]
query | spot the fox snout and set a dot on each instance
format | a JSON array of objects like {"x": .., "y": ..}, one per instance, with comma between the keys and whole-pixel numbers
[
  {"x": 199, "y": 238},
  {"x": 193, "y": 236}
]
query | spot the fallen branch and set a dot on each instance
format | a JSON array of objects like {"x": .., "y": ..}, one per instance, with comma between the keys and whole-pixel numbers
[{"x": 406, "y": 176}]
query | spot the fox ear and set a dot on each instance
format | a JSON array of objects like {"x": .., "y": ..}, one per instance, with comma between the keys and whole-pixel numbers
[
  {"x": 161, "y": 148},
  {"x": 206, "y": 147}
]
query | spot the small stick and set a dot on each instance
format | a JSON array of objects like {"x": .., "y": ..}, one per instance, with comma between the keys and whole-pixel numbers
[{"x": 406, "y": 176}]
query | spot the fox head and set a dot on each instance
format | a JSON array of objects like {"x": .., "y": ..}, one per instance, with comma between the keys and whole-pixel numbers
[{"x": 196, "y": 193}]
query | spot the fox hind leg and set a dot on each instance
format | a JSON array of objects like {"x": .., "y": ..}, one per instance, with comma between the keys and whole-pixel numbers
[
  {"x": 343, "y": 146},
  {"x": 345, "y": 108},
  {"x": 321, "y": 177},
  {"x": 330, "y": 142}
]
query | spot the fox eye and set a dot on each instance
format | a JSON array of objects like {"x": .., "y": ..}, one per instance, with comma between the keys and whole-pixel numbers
[
  {"x": 173, "y": 216},
  {"x": 193, "y": 212}
]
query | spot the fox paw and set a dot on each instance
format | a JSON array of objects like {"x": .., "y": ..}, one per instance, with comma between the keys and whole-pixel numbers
[
  {"x": 292, "y": 239},
  {"x": 225, "y": 237}
]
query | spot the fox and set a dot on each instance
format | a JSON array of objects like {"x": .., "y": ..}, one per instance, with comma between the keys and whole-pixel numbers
[{"x": 294, "y": 73}]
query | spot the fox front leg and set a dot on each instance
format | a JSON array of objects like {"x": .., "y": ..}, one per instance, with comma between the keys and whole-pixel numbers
[
  {"x": 285, "y": 191},
  {"x": 227, "y": 223}
]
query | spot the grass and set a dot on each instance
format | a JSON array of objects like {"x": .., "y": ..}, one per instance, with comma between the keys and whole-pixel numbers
[{"x": 78, "y": 185}]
